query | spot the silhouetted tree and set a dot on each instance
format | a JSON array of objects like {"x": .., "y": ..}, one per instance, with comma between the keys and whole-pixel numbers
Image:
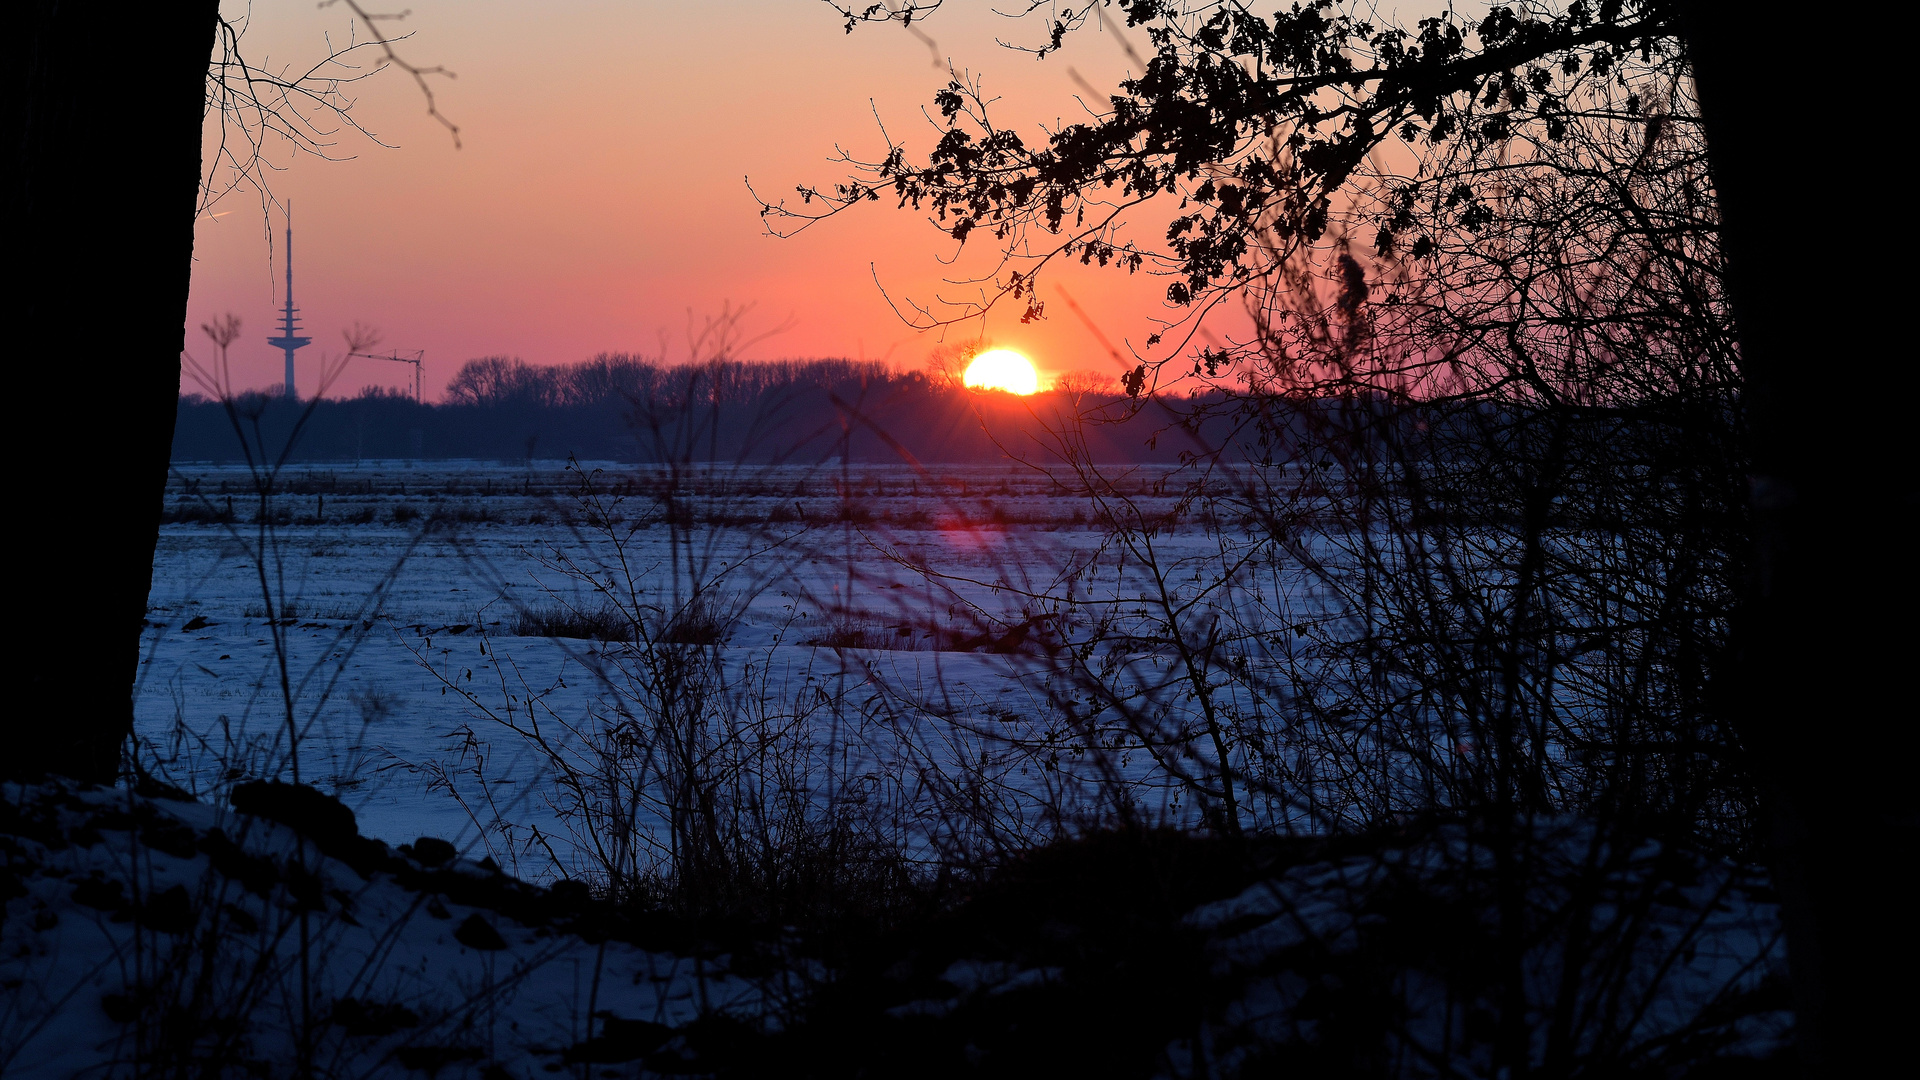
[
  {"x": 107, "y": 174},
  {"x": 1529, "y": 437},
  {"x": 499, "y": 380},
  {"x": 103, "y": 176},
  {"x": 1259, "y": 123}
]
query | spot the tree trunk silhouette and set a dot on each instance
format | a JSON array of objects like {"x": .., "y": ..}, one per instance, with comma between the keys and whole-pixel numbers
[
  {"x": 104, "y": 145},
  {"x": 1812, "y": 691}
]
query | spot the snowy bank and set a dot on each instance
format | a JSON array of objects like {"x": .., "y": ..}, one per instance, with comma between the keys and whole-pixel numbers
[{"x": 146, "y": 934}]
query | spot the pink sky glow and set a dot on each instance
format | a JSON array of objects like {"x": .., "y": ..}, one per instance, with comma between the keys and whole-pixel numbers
[{"x": 601, "y": 195}]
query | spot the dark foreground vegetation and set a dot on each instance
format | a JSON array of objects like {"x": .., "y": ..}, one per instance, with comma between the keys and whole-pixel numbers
[{"x": 186, "y": 938}]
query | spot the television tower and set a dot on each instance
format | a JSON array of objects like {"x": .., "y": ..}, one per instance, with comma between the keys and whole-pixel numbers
[{"x": 288, "y": 339}]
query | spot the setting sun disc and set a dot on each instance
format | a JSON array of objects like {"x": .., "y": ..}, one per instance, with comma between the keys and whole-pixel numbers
[{"x": 1002, "y": 369}]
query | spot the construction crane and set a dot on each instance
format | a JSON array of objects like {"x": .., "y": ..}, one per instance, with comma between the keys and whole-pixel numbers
[{"x": 418, "y": 358}]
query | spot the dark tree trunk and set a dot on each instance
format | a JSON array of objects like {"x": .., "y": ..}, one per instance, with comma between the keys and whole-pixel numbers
[
  {"x": 1821, "y": 640},
  {"x": 104, "y": 159}
]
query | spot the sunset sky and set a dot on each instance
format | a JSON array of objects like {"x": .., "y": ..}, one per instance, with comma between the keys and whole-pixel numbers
[{"x": 601, "y": 192}]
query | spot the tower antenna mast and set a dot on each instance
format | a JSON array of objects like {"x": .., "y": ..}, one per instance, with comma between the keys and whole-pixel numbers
[{"x": 289, "y": 338}]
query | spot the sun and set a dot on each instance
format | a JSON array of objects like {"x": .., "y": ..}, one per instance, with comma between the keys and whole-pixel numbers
[{"x": 1002, "y": 369}]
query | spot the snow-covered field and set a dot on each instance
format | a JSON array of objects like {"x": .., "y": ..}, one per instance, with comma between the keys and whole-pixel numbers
[
  {"x": 389, "y": 588},
  {"x": 877, "y": 640}
]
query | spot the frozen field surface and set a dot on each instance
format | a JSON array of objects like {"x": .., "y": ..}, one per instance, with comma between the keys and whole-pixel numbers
[
  {"x": 890, "y": 650},
  {"x": 387, "y": 586}
]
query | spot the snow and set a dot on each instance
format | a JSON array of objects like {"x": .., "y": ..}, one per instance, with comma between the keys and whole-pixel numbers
[
  {"x": 142, "y": 931},
  {"x": 1660, "y": 943},
  {"x": 391, "y": 619},
  {"x": 402, "y": 663},
  {"x": 234, "y": 960}
]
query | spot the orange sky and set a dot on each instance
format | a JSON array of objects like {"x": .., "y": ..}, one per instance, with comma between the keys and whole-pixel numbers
[{"x": 600, "y": 193}]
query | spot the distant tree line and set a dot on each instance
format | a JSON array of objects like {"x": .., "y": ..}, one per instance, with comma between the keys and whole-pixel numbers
[{"x": 625, "y": 408}]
